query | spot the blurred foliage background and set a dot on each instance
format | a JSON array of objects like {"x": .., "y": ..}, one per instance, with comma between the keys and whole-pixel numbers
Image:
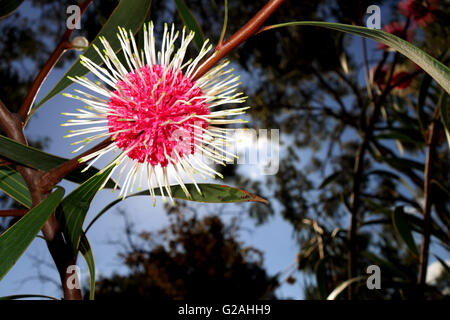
[{"x": 309, "y": 83}]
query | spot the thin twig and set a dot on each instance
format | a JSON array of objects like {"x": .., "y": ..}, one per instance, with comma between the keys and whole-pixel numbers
[
  {"x": 54, "y": 176},
  {"x": 62, "y": 46},
  {"x": 13, "y": 213},
  {"x": 59, "y": 249},
  {"x": 334, "y": 92},
  {"x": 249, "y": 29},
  {"x": 428, "y": 195}
]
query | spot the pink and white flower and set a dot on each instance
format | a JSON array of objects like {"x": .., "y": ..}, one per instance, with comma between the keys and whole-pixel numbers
[{"x": 158, "y": 115}]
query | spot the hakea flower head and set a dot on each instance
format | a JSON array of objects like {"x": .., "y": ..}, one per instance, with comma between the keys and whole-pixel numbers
[
  {"x": 420, "y": 11},
  {"x": 158, "y": 114},
  {"x": 397, "y": 29}
]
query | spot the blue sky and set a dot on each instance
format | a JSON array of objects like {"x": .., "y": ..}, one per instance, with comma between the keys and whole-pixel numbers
[{"x": 275, "y": 238}]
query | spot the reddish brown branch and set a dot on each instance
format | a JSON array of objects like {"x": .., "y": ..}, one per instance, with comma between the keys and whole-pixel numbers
[
  {"x": 12, "y": 124},
  {"x": 55, "y": 175},
  {"x": 13, "y": 213},
  {"x": 249, "y": 29},
  {"x": 428, "y": 195},
  {"x": 62, "y": 46},
  {"x": 60, "y": 251},
  {"x": 4, "y": 163}
]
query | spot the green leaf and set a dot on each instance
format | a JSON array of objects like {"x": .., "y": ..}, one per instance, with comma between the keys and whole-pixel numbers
[
  {"x": 337, "y": 291},
  {"x": 329, "y": 179},
  {"x": 18, "y": 237},
  {"x": 414, "y": 221},
  {"x": 443, "y": 112},
  {"x": 423, "y": 93},
  {"x": 37, "y": 159},
  {"x": 403, "y": 228},
  {"x": 320, "y": 272},
  {"x": 128, "y": 14},
  {"x": 402, "y": 135},
  {"x": 384, "y": 263},
  {"x": 433, "y": 67},
  {"x": 12, "y": 183},
  {"x": 190, "y": 21},
  {"x": 86, "y": 252},
  {"x": 211, "y": 193},
  {"x": 76, "y": 205},
  {"x": 27, "y": 296},
  {"x": 8, "y": 6},
  {"x": 444, "y": 264},
  {"x": 443, "y": 186},
  {"x": 386, "y": 173},
  {"x": 401, "y": 163},
  {"x": 416, "y": 224}
]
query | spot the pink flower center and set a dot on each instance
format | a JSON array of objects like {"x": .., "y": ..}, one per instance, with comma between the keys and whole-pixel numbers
[{"x": 154, "y": 115}]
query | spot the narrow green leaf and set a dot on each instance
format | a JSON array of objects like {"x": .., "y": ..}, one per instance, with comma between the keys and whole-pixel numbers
[
  {"x": 444, "y": 264},
  {"x": 18, "y": 237},
  {"x": 37, "y": 159},
  {"x": 12, "y": 183},
  {"x": 423, "y": 93},
  {"x": 86, "y": 252},
  {"x": 405, "y": 136},
  {"x": 443, "y": 186},
  {"x": 329, "y": 179},
  {"x": 27, "y": 296},
  {"x": 400, "y": 163},
  {"x": 211, "y": 193},
  {"x": 443, "y": 112},
  {"x": 433, "y": 67},
  {"x": 416, "y": 224},
  {"x": 383, "y": 173},
  {"x": 8, "y": 6},
  {"x": 337, "y": 291},
  {"x": 375, "y": 222},
  {"x": 320, "y": 271},
  {"x": 190, "y": 21},
  {"x": 384, "y": 263},
  {"x": 414, "y": 221},
  {"x": 76, "y": 205},
  {"x": 402, "y": 227},
  {"x": 128, "y": 14}
]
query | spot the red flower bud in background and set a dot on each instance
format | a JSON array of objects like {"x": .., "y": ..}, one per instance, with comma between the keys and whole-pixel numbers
[
  {"x": 421, "y": 12},
  {"x": 400, "y": 79}
]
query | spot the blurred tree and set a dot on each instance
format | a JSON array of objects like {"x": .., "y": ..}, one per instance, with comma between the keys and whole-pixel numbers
[
  {"x": 192, "y": 258},
  {"x": 310, "y": 84}
]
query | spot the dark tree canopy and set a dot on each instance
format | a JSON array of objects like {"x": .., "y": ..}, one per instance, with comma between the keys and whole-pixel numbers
[
  {"x": 309, "y": 83},
  {"x": 193, "y": 258}
]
